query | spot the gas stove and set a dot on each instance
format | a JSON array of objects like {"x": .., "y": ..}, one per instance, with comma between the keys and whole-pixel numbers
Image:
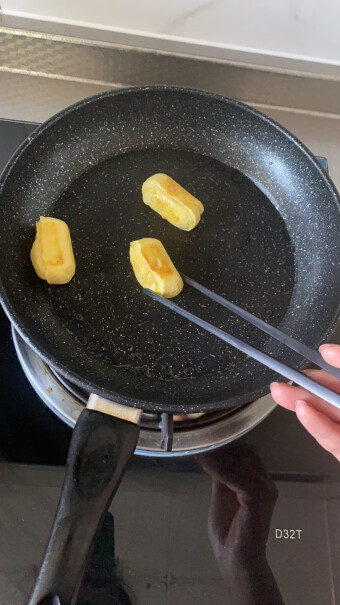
[
  {"x": 161, "y": 434},
  {"x": 166, "y": 537}
]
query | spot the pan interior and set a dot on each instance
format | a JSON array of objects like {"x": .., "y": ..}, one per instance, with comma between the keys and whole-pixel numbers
[
  {"x": 241, "y": 249},
  {"x": 268, "y": 240}
]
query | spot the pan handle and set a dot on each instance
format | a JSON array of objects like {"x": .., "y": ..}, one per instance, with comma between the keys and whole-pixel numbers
[{"x": 100, "y": 449}]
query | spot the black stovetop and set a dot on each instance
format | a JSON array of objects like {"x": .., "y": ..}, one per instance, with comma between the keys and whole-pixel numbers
[{"x": 154, "y": 546}]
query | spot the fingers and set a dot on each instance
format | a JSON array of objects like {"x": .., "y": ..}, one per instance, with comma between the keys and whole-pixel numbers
[
  {"x": 321, "y": 419},
  {"x": 287, "y": 396},
  {"x": 284, "y": 395},
  {"x": 331, "y": 353},
  {"x": 324, "y": 378},
  {"x": 321, "y": 427}
]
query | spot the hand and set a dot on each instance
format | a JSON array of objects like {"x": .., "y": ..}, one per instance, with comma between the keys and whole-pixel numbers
[
  {"x": 242, "y": 502},
  {"x": 321, "y": 419}
]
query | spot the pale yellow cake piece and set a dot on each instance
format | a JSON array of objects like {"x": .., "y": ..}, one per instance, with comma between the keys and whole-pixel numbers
[
  {"x": 154, "y": 268},
  {"x": 52, "y": 254},
  {"x": 172, "y": 201}
]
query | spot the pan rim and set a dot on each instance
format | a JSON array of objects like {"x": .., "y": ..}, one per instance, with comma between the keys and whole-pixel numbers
[{"x": 31, "y": 340}]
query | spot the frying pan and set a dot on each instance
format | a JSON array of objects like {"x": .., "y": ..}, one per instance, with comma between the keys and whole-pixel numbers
[{"x": 268, "y": 240}]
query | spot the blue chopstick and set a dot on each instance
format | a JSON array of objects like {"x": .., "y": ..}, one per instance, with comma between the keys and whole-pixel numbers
[
  {"x": 279, "y": 367},
  {"x": 292, "y": 343}
]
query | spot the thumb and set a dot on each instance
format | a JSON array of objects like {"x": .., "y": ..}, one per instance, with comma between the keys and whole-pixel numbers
[{"x": 320, "y": 426}]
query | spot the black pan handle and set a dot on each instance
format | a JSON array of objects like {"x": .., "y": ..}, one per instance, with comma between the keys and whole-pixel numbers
[{"x": 101, "y": 447}]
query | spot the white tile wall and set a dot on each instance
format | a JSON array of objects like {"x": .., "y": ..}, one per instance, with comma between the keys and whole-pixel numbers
[{"x": 305, "y": 29}]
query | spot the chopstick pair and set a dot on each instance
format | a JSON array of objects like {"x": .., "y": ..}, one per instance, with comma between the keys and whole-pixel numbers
[{"x": 278, "y": 366}]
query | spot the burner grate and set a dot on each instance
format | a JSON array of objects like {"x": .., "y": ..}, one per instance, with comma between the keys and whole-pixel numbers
[{"x": 161, "y": 435}]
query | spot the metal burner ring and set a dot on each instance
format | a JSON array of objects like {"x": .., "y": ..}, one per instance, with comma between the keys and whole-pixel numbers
[{"x": 188, "y": 438}]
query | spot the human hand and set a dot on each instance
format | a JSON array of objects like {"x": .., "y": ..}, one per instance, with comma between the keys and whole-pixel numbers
[
  {"x": 242, "y": 502},
  {"x": 321, "y": 419}
]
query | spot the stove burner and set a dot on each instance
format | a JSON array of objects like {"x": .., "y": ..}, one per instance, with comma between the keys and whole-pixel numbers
[{"x": 161, "y": 435}]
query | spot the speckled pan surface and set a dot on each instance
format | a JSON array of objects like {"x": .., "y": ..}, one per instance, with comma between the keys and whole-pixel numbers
[{"x": 269, "y": 240}]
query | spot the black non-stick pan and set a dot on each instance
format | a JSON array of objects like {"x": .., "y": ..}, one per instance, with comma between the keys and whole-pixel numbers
[{"x": 268, "y": 240}]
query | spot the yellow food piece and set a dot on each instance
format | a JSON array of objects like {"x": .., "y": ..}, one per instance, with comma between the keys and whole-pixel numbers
[
  {"x": 52, "y": 254},
  {"x": 154, "y": 268},
  {"x": 172, "y": 202}
]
